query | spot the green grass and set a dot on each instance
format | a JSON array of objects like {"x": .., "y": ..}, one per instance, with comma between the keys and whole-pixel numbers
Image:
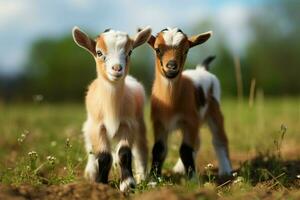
[{"x": 264, "y": 160}]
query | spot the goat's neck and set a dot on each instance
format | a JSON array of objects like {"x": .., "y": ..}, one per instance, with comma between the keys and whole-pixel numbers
[
  {"x": 111, "y": 95},
  {"x": 167, "y": 90}
]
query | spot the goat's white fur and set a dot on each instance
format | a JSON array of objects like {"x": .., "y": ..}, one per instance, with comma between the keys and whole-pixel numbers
[
  {"x": 112, "y": 123},
  {"x": 124, "y": 185},
  {"x": 172, "y": 37},
  {"x": 201, "y": 77},
  {"x": 116, "y": 55},
  {"x": 91, "y": 168},
  {"x": 224, "y": 163}
]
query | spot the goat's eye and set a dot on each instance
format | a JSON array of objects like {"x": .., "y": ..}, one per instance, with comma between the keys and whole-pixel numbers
[
  {"x": 99, "y": 53},
  {"x": 157, "y": 50},
  {"x": 130, "y": 52}
]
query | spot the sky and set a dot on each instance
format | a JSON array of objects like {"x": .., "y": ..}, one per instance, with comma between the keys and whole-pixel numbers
[{"x": 24, "y": 21}]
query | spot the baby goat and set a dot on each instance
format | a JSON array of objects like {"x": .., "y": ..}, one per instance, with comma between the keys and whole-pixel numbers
[
  {"x": 184, "y": 100},
  {"x": 114, "y": 104}
]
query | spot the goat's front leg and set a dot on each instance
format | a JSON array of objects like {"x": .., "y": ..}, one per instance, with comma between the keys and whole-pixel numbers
[
  {"x": 160, "y": 148},
  {"x": 98, "y": 149},
  {"x": 125, "y": 138},
  {"x": 189, "y": 147}
]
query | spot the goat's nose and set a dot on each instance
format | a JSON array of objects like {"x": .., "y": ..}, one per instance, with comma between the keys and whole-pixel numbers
[
  {"x": 117, "y": 68},
  {"x": 172, "y": 64}
]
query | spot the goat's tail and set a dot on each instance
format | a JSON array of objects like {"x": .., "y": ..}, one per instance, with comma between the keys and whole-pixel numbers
[{"x": 205, "y": 63}]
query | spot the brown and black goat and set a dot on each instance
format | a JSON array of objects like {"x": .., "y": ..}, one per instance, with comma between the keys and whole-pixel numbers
[{"x": 184, "y": 100}]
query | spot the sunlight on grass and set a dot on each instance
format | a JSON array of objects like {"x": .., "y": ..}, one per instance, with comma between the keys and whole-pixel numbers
[{"x": 43, "y": 144}]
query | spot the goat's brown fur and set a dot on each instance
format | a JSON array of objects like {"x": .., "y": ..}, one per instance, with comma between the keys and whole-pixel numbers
[{"x": 176, "y": 101}]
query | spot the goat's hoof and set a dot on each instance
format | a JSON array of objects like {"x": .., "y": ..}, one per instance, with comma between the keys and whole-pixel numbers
[
  {"x": 140, "y": 178},
  {"x": 127, "y": 185},
  {"x": 90, "y": 175}
]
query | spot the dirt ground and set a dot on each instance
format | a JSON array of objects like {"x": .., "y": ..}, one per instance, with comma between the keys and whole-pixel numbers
[
  {"x": 54, "y": 192},
  {"x": 100, "y": 191},
  {"x": 83, "y": 190}
]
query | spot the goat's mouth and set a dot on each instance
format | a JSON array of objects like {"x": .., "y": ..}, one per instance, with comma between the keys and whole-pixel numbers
[
  {"x": 115, "y": 76},
  {"x": 170, "y": 74}
]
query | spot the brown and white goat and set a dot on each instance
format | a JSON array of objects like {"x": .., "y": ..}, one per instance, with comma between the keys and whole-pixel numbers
[
  {"x": 114, "y": 104},
  {"x": 184, "y": 100}
]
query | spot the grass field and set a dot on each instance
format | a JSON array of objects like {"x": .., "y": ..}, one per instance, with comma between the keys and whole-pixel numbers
[{"x": 42, "y": 155}]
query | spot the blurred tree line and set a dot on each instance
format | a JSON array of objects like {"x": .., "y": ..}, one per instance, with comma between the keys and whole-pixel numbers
[
  {"x": 273, "y": 55},
  {"x": 61, "y": 71}
]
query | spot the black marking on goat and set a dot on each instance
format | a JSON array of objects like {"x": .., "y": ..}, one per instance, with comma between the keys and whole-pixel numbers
[
  {"x": 125, "y": 157},
  {"x": 200, "y": 96},
  {"x": 159, "y": 55},
  {"x": 158, "y": 157},
  {"x": 106, "y": 30},
  {"x": 160, "y": 60},
  {"x": 104, "y": 161},
  {"x": 186, "y": 155},
  {"x": 179, "y": 30},
  {"x": 165, "y": 29}
]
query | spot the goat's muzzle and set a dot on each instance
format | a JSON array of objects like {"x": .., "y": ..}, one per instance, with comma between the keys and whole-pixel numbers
[{"x": 171, "y": 70}]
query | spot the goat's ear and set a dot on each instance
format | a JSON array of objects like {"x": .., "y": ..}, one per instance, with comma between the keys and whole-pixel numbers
[
  {"x": 199, "y": 39},
  {"x": 142, "y": 36},
  {"x": 83, "y": 40},
  {"x": 151, "y": 39}
]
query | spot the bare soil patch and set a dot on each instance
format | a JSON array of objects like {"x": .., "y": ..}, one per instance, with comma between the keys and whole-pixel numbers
[{"x": 54, "y": 192}]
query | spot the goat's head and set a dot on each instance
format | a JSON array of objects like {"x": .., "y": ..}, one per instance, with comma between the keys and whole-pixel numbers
[
  {"x": 111, "y": 50},
  {"x": 171, "y": 46}
]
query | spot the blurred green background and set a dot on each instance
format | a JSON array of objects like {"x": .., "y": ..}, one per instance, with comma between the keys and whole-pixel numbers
[{"x": 262, "y": 36}]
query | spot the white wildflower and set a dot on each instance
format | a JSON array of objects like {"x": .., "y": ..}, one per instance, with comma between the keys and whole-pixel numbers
[
  {"x": 51, "y": 159},
  {"x": 238, "y": 180},
  {"x": 33, "y": 155},
  {"x": 23, "y": 136},
  {"x": 209, "y": 166},
  {"x": 68, "y": 143},
  {"x": 152, "y": 184}
]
